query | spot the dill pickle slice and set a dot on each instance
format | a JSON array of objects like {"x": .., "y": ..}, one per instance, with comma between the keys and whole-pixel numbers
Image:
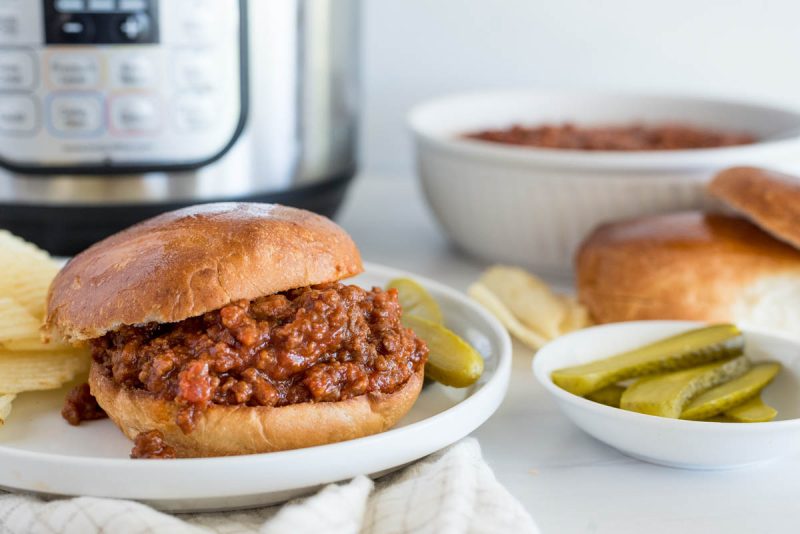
[
  {"x": 730, "y": 394},
  {"x": 451, "y": 361},
  {"x": 666, "y": 395},
  {"x": 688, "y": 349},
  {"x": 753, "y": 411},
  {"x": 609, "y": 395},
  {"x": 415, "y": 300}
]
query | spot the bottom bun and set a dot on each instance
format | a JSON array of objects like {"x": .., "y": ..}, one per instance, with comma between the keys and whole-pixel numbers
[{"x": 223, "y": 430}]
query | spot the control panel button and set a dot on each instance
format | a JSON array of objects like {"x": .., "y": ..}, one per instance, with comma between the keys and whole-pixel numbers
[
  {"x": 194, "y": 113},
  {"x": 99, "y": 6},
  {"x": 195, "y": 71},
  {"x": 132, "y": 70},
  {"x": 17, "y": 114},
  {"x": 17, "y": 70},
  {"x": 76, "y": 114},
  {"x": 134, "y": 114},
  {"x": 70, "y": 6},
  {"x": 134, "y": 28},
  {"x": 74, "y": 71},
  {"x": 72, "y": 28},
  {"x": 21, "y": 22},
  {"x": 199, "y": 26},
  {"x": 9, "y": 27},
  {"x": 132, "y": 5}
]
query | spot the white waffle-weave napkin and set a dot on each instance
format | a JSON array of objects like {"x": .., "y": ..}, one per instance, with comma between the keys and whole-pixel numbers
[{"x": 451, "y": 492}]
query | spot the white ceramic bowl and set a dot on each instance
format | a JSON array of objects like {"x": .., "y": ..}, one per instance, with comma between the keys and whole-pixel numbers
[
  {"x": 533, "y": 206},
  {"x": 674, "y": 442}
]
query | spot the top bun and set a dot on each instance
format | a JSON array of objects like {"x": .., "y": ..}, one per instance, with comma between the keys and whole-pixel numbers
[
  {"x": 770, "y": 199},
  {"x": 194, "y": 260},
  {"x": 691, "y": 266}
]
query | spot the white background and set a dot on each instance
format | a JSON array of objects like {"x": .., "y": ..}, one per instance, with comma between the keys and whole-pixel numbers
[{"x": 414, "y": 50}]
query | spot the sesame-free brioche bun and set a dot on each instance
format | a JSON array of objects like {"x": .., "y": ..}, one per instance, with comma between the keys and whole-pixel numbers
[
  {"x": 187, "y": 262},
  {"x": 768, "y": 198},
  {"x": 692, "y": 266},
  {"x": 223, "y": 430}
]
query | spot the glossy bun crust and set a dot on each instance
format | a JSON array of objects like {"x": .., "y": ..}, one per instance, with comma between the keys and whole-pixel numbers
[
  {"x": 770, "y": 199},
  {"x": 187, "y": 262},
  {"x": 689, "y": 265}
]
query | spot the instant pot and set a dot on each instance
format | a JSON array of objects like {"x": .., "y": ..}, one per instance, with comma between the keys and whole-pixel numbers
[{"x": 114, "y": 110}]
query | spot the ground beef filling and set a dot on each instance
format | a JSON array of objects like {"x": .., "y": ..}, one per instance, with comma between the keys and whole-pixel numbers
[
  {"x": 80, "y": 405},
  {"x": 321, "y": 343},
  {"x": 632, "y": 137},
  {"x": 151, "y": 445}
]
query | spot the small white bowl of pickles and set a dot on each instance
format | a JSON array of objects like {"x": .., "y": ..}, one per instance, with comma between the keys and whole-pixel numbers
[{"x": 679, "y": 393}]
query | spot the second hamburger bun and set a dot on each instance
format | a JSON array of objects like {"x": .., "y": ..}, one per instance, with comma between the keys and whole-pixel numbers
[
  {"x": 770, "y": 199},
  {"x": 223, "y": 430},
  {"x": 690, "y": 266}
]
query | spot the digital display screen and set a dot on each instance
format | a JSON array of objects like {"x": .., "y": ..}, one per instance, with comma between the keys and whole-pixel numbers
[{"x": 101, "y": 21}]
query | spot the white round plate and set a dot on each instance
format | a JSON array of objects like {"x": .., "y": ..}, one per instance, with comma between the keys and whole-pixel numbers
[
  {"x": 675, "y": 442},
  {"x": 40, "y": 452}
]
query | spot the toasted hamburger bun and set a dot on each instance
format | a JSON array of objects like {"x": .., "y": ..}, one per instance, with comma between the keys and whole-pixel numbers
[
  {"x": 768, "y": 198},
  {"x": 195, "y": 260},
  {"x": 690, "y": 266},
  {"x": 187, "y": 262},
  {"x": 224, "y": 430}
]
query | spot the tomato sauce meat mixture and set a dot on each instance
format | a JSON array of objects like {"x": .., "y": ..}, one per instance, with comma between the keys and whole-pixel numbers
[
  {"x": 321, "y": 343},
  {"x": 151, "y": 445},
  {"x": 80, "y": 405},
  {"x": 631, "y": 137}
]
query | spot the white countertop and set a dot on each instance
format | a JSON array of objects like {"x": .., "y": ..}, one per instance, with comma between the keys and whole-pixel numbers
[{"x": 568, "y": 481}]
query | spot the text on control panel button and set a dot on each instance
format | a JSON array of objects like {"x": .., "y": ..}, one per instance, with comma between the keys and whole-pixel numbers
[
  {"x": 21, "y": 22},
  {"x": 9, "y": 27},
  {"x": 134, "y": 114},
  {"x": 17, "y": 70},
  {"x": 133, "y": 71},
  {"x": 76, "y": 114},
  {"x": 17, "y": 114},
  {"x": 74, "y": 71}
]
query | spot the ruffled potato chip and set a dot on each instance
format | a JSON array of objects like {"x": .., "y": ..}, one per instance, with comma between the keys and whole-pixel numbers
[
  {"x": 26, "y": 273},
  {"x": 26, "y": 363},
  {"x": 527, "y": 298},
  {"x": 16, "y": 322},
  {"x": 496, "y": 307},
  {"x": 5, "y": 407},
  {"x": 527, "y": 306},
  {"x": 33, "y": 371}
]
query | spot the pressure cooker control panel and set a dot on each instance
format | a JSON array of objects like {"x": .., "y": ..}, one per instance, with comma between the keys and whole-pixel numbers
[{"x": 119, "y": 85}]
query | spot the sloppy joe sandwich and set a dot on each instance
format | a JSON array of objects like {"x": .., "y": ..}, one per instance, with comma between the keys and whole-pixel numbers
[
  {"x": 226, "y": 329},
  {"x": 693, "y": 266}
]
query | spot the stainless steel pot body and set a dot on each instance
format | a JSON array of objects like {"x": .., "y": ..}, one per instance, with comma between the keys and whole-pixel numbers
[{"x": 300, "y": 112}]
